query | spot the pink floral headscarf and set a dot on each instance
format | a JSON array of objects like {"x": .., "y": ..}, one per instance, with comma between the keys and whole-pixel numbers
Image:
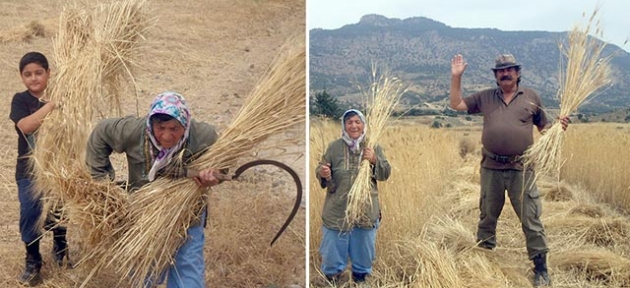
[{"x": 174, "y": 105}]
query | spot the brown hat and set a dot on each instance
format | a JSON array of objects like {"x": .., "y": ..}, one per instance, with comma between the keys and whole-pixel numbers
[{"x": 505, "y": 61}]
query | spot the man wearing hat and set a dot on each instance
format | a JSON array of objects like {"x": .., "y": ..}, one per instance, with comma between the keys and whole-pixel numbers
[{"x": 509, "y": 114}]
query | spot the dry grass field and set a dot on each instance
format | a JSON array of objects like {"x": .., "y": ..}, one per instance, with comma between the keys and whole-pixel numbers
[
  {"x": 597, "y": 158},
  {"x": 430, "y": 211},
  {"x": 212, "y": 52}
]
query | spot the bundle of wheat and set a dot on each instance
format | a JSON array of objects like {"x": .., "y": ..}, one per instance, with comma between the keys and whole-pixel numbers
[
  {"x": 561, "y": 191},
  {"x": 587, "y": 70},
  {"x": 449, "y": 233},
  {"x": 161, "y": 212},
  {"x": 381, "y": 99},
  {"x": 93, "y": 54},
  {"x": 588, "y": 209},
  {"x": 596, "y": 264},
  {"x": 604, "y": 231}
]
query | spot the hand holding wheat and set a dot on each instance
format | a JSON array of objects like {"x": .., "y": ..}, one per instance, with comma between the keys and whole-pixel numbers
[
  {"x": 384, "y": 95},
  {"x": 369, "y": 155},
  {"x": 586, "y": 71}
]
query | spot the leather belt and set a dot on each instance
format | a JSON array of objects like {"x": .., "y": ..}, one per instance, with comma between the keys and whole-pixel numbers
[{"x": 501, "y": 158}]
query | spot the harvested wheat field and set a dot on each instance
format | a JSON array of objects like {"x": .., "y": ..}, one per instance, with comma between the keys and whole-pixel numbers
[
  {"x": 430, "y": 211},
  {"x": 213, "y": 53}
]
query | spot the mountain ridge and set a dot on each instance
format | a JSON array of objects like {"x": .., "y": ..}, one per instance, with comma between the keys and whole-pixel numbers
[{"x": 418, "y": 51}]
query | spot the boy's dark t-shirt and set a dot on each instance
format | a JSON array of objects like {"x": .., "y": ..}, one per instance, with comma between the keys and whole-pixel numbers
[{"x": 23, "y": 105}]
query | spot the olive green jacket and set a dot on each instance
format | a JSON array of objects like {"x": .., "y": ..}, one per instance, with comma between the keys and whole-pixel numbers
[
  {"x": 129, "y": 135},
  {"x": 344, "y": 168}
]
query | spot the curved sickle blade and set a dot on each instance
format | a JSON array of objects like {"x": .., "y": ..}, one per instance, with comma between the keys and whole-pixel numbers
[{"x": 298, "y": 185}]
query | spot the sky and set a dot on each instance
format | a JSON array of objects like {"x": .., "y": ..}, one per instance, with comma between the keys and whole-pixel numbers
[{"x": 524, "y": 15}]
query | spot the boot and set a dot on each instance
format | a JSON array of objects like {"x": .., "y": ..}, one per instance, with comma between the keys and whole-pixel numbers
[
  {"x": 337, "y": 280},
  {"x": 358, "y": 277},
  {"x": 60, "y": 248},
  {"x": 31, "y": 275},
  {"x": 541, "y": 276}
]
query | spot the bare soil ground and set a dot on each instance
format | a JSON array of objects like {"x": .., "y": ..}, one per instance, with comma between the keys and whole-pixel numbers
[{"x": 212, "y": 52}]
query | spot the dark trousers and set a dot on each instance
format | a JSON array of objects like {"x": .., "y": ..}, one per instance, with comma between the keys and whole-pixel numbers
[
  {"x": 30, "y": 211},
  {"x": 525, "y": 202}
]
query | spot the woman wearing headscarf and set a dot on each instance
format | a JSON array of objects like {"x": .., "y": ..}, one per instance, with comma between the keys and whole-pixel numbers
[
  {"x": 343, "y": 241},
  {"x": 160, "y": 144}
]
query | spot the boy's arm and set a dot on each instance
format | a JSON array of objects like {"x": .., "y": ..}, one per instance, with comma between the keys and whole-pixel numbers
[{"x": 28, "y": 123}]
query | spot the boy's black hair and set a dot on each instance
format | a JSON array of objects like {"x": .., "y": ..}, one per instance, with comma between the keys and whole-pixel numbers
[
  {"x": 160, "y": 118},
  {"x": 33, "y": 57}
]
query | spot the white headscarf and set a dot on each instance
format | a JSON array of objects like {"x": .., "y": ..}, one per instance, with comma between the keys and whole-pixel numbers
[{"x": 354, "y": 144}]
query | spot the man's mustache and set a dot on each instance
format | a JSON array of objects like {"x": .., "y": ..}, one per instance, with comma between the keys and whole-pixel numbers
[{"x": 506, "y": 77}]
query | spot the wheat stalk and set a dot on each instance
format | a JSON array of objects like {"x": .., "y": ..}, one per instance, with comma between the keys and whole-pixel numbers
[
  {"x": 587, "y": 70},
  {"x": 162, "y": 211},
  {"x": 381, "y": 99},
  {"x": 93, "y": 53}
]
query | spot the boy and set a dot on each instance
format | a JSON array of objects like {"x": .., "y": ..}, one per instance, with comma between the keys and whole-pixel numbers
[{"x": 28, "y": 109}]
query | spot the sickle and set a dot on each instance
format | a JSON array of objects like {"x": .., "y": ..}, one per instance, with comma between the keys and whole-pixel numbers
[{"x": 240, "y": 170}]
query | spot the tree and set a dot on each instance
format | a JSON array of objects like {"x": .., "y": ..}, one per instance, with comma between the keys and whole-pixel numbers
[
  {"x": 326, "y": 105},
  {"x": 436, "y": 124}
]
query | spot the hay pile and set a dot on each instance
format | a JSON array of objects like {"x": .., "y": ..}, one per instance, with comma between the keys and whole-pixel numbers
[
  {"x": 603, "y": 232},
  {"x": 596, "y": 265}
]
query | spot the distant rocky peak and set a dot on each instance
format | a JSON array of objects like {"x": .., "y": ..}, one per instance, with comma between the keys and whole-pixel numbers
[
  {"x": 378, "y": 20},
  {"x": 421, "y": 23}
]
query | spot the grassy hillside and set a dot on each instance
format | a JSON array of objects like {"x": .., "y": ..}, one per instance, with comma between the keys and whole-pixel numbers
[{"x": 418, "y": 50}]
